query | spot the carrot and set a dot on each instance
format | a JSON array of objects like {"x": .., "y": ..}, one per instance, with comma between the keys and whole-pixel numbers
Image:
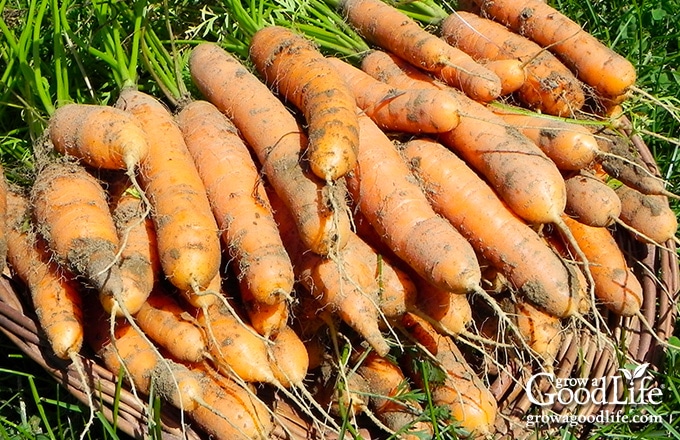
[
  {"x": 292, "y": 65},
  {"x": 139, "y": 263},
  {"x": 238, "y": 201},
  {"x": 64, "y": 195},
  {"x": 387, "y": 385},
  {"x": 344, "y": 285},
  {"x": 266, "y": 319},
  {"x": 594, "y": 63},
  {"x": 451, "y": 312},
  {"x": 289, "y": 359},
  {"x": 411, "y": 111},
  {"x": 616, "y": 286},
  {"x": 510, "y": 72},
  {"x": 649, "y": 215},
  {"x": 234, "y": 347},
  {"x": 186, "y": 231},
  {"x": 542, "y": 331},
  {"x": 571, "y": 146},
  {"x": 591, "y": 201},
  {"x": 54, "y": 292},
  {"x": 278, "y": 141},
  {"x": 165, "y": 322},
  {"x": 550, "y": 87},
  {"x": 498, "y": 234},
  {"x": 499, "y": 152},
  {"x": 101, "y": 136},
  {"x": 468, "y": 399},
  {"x": 397, "y": 208},
  {"x": 231, "y": 412},
  {"x": 395, "y": 32}
]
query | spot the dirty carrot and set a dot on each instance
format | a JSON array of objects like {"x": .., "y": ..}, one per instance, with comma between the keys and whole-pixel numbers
[
  {"x": 279, "y": 143},
  {"x": 239, "y": 202},
  {"x": 186, "y": 231},
  {"x": 292, "y": 65}
]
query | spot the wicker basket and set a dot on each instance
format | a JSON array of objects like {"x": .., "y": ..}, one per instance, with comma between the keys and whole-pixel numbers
[{"x": 581, "y": 355}]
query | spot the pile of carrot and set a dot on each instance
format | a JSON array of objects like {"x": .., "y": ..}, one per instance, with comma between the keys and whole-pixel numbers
[{"x": 333, "y": 232}]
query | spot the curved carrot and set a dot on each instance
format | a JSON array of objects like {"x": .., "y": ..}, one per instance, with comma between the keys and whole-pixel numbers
[
  {"x": 616, "y": 286},
  {"x": 594, "y": 63},
  {"x": 411, "y": 111},
  {"x": 292, "y": 65},
  {"x": 278, "y": 141},
  {"x": 385, "y": 192},
  {"x": 395, "y": 32},
  {"x": 289, "y": 359},
  {"x": 504, "y": 240},
  {"x": 239, "y": 202},
  {"x": 550, "y": 87},
  {"x": 65, "y": 195},
  {"x": 54, "y": 292},
  {"x": 542, "y": 331},
  {"x": 450, "y": 311},
  {"x": 187, "y": 234},
  {"x": 266, "y": 319}
]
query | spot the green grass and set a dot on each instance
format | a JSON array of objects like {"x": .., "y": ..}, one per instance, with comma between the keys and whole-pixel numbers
[{"x": 113, "y": 43}]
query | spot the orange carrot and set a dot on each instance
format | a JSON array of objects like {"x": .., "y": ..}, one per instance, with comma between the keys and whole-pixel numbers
[
  {"x": 591, "y": 201},
  {"x": 571, "y": 146},
  {"x": 650, "y": 215},
  {"x": 594, "y": 63},
  {"x": 616, "y": 286},
  {"x": 450, "y": 312},
  {"x": 99, "y": 135},
  {"x": 469, "y": 400},
  {"x": 232, "y": 412},
  {"x": 344, "y": 284},
  {"x": 165, "y": 322},
  {"x": 387, "y": 385},
  {"x": 54, "y": 292},
  {"x": 498, "y": 152},
  {"x": 278, "y": 141},
  {"x": 71, "y": 208},
  {"x": 411, "y": 111},
  {"x": 511, "y": 73},
  {"x": 288, "y": 358},
  {"x": 188, "y": 244},
  {"x": 292, "y": 65},
  {"x": 394, "y": 204},
  {"x": 542, "y": 331},
  {"x": 395, "y": 32},
  {"x": 238, "y": 201},
  {"x": 139, "y": 263},
  {"x": 266, "y": 319},
  {"x": 550, "y": 87},
  {"x": 495, "y": 232}
]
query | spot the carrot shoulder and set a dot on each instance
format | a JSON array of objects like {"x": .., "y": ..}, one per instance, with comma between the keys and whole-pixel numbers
[
  {"x": 388, "y": 196},
  {"x": 187, "y": 234},
  {"x": 296, "y": 69},
  {"x": 279, "y": 143},
  {"x": 239, "y": 202}
]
